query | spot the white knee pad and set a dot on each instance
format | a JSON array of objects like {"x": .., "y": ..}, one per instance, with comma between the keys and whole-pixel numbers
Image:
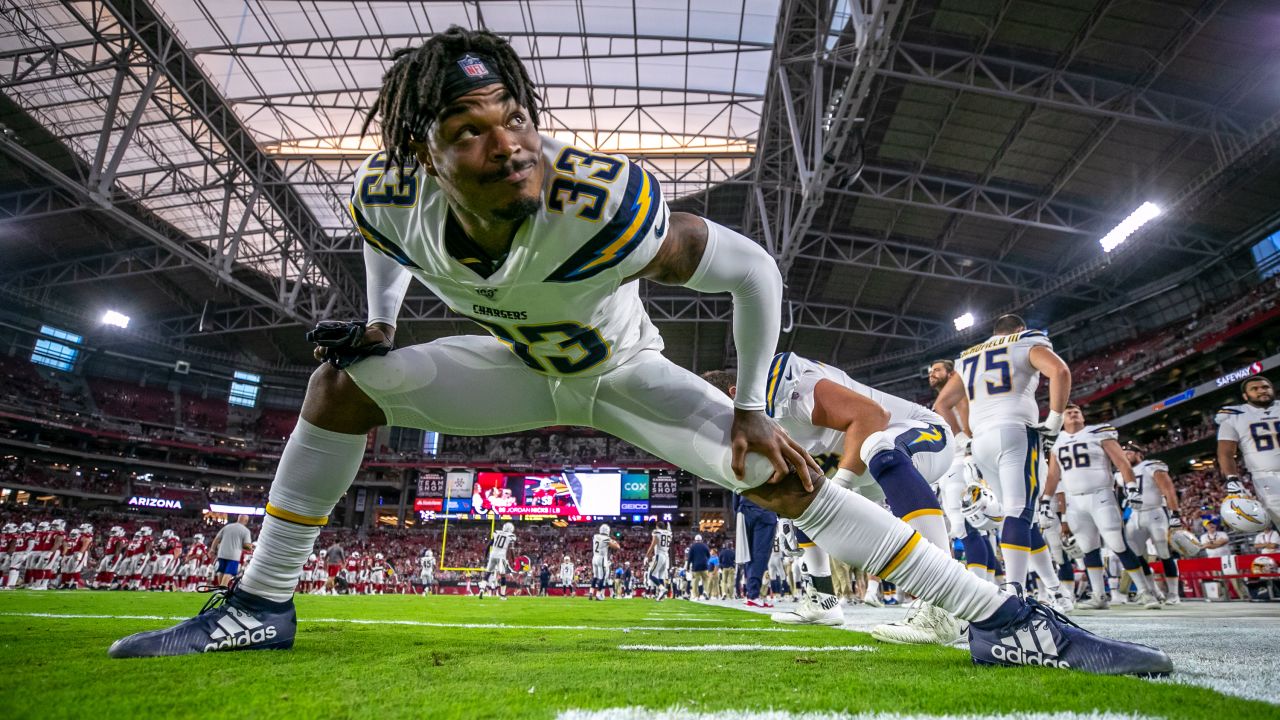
[{"x": 876, "y": 443}]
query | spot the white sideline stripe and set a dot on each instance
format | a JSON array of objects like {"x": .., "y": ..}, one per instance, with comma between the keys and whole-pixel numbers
[
  {"x": 680, "y": 713},
  {"x": 747, "y": 648},
  {"x": 412, "y": 623}
]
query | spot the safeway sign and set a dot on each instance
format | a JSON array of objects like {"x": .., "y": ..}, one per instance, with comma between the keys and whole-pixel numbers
[{"x": 1235, "y": 377}]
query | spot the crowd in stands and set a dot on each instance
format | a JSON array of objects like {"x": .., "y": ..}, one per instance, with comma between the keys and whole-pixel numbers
[{"x": 1132, "y": 358}]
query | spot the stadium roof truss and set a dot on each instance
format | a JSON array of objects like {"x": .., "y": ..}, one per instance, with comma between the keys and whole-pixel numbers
[{"x": 900, "y": 158}]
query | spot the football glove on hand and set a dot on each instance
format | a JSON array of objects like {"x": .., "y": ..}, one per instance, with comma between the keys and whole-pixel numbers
[
  {"x": 1049, "y": 427},
  {"x": 1133, "y": 496},
  {"x": 964, "y": 443},
  {"x": 344, "y": 343},
  {"x": 1234, "y": 486},
  {"x": 1175, "y": 519}
]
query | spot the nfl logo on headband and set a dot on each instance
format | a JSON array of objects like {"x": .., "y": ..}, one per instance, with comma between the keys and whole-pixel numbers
[{"x": 473, "y": 66}]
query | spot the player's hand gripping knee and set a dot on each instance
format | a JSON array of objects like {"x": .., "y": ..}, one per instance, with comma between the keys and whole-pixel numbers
[
  {"x": 346, "y": 343},
  {"x": 753, "y": 431}
]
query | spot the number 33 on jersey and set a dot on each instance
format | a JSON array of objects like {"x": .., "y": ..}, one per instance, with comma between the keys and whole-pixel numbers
[{"x": 557, "y": 300}]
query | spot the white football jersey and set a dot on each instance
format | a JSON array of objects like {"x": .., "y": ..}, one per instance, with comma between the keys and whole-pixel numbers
[
  {"x": 427, "y": 562},
  {"x": 663, "y": 546},
  {"x": 566, "y": 570},
  {"x": 1145, "y": 473},
  {"x": 789, "y": 400},
  {"x": 1257, "y": 430},
  {"x": 600, "y": 547},
  {"x": 1085, "y": 465},
  {"x": 501, "y": 543},
  {"x": 1000, "y": 380},
  {"x": 557, "y": 300}
]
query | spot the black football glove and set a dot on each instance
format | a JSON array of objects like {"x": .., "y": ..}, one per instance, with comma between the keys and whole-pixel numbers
[{"x": 343, "y": 343}]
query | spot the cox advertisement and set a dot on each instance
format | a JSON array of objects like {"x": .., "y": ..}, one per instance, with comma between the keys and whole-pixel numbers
[{"x": 635, "y": 493}]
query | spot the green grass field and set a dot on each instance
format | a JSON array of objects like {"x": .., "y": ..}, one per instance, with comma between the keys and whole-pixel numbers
[{"x": 555, "y": 655}]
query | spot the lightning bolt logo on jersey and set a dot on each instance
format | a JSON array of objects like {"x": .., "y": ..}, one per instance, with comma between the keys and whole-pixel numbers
[{"x": 557, "y": 300}]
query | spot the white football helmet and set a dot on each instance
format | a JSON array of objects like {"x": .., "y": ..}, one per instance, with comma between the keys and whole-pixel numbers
[
  {"x": 1071, "y": 547},
  {"x": 166, "y": 533},
  {"x": 697, "y": 538},
  {"x": 74, "y": 534},
  {"x": 146, "y": 531},
  {"x": 355, "y": 553},
  {"x": 981, "y": 509},
  {"x": 1265, "y": 565},
  {"x": 604, "y": 529},
  {"x": 197, "y": 538},
  {"x": 59, "y": 525},
  {"x": 566, "y": 558},
  {"x": 311, "y": 557},
  {"x": 117, "y": 531},
  {"x": 9, "y": 528},
  {"x": 1244, "y": 514},
  {"x": 378, "y": 556},
  {"x": 1184, "y": 543},
  {"x": 429, "y": 554},
  {"x": 86, "y": 528},
  {"x": 43, "y": 526},
  {"x": 28, "y": 527},
  {"x": 508, "y": 527}
]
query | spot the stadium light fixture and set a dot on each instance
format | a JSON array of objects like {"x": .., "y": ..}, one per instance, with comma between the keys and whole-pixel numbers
[
  {"x": 1145, "y": 213},
  {"x": 964, "y": 322},
  {"x": 111, "y": 317}
]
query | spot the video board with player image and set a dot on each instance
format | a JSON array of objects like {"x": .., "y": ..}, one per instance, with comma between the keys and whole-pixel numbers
[{"x": 569, "y": 495}]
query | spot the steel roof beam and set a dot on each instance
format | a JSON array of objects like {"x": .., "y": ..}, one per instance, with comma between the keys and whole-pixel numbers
[
  {"x": 1056, "y": 89},
  {"x": 185, "y": 77}
]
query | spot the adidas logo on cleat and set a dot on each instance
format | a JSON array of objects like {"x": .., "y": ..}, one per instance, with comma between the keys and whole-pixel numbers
[
  {"x": 238, "y": 629},
  {"x": 1019, "y": 656},
  {"x": 1024, "y": 648}
]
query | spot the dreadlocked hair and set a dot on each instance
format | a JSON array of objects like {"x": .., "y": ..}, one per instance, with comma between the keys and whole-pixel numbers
[{"x": 410, "y": 96}]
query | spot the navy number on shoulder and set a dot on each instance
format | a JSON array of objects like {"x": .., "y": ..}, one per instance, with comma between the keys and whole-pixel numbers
[
  {"x": 602, "y": 167},
  {"x": 379, "y": 190}
]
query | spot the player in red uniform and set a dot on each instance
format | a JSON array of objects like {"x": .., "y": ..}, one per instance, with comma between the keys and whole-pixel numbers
[
  {"x": 353, "y": 571},
  {"x": 135, "y": 558},
  {"x": 112, "y": 557},
  {"x": 19, "y": 550},
  {"x": 75, "y": 558},
  {"x": 193, "y": 568}
]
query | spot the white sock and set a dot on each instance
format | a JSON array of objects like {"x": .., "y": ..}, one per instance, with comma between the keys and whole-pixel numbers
[
  {"x": 865, "y": 535},
  {"x": 1095, "y": 582},
  {"x": 1172, "y": 584},
  {"x": 315, "y": 470},
  {"x": 1141, "y": 580},
  {"x": 873, "y": 588},
  {"x": 933, "y": 528},
  {"x": 1042, "y": 565}
]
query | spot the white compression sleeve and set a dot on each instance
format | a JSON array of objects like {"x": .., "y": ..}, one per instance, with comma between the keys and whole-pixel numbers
[
  {"x": 732, "y": 263},
  {"x": 386, "y": 282}
]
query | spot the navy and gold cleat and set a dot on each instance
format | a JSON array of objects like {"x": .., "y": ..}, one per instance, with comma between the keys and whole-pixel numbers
[
  {"x": 230, "y": 620},
  {"x": 1039, "y": 635}
]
